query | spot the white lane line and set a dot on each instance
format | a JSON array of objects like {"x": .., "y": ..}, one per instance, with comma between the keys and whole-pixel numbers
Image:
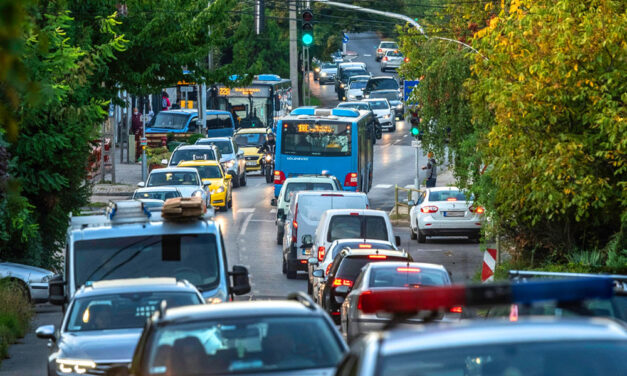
[
  {"x": 272, "y": 211},
  {"x": 409, "y": 186},
  {"x": 262, "y": 220},
  {"x": 396, "y": 142},
  {"x": 367, "y": 55},
  {"x": 245, "y": 226},
  {"x": 405, "y": 135},
  {"x": 246, "y": 210},
  {"x": 382, "y": 186}
]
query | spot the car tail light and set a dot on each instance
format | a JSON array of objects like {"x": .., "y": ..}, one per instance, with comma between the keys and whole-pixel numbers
[
  {"x": 328, "y": 269},
  {"x": 342, "y": 282},
  {"x": 451, "y": 199},
  {"x": 332, "y": 195},
  {"x": 350, "y": 180},
  {"x": 456, "y": 309},
  {"x": 429, "y": 209},
  {"x": 406, "y": 60},
  {"x": 377, "y": 257},
  {"x": 478, "y": 209},
  {"x": 365, "y": 246},
  {"x": 321, "y": 252},
  {"x": 379, "y": 50},
  {"x": 295, "y": 226},
  {"x": 404, "y": 269},
  {"x": 279, "y": 177},
  {"x": 385, "y": 58},
  {"x": 367, "y": 292}
]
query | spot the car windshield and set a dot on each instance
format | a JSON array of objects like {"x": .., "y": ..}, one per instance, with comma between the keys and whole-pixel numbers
[
  {"x": 379, "y": 105},
  {"x": 382, "y": 84},
  {"x": 331, "y": 139},
  {"x": 568, "y": 358},
  {"x": 358, "y": 84},
  {"x": 122, "y": 310},
  {"x": 407, "y": 276},
  {"x": 209, "y": 172},
  {"x": 219, "y": 121},
  {"x": 388, "y": 45},
  {"x": 329, "y": 65},
  {"x": 358, "y": 106},
  {"x": 294, "y": 187},
  {"x": 247, "y": 345},
  {"x": 156, "y": 195},
  {"x": 393, "y": 53},
  {"x": 224, "y": 146},
  {"x": 350, "y": 227},
  {"x": 353, "y": 72},
  {"x": 250, "y": 139},
  {"x": 165, "y": 119},
  {"x": 158, "y": 179},
  {"x": 357, "y": 245},
  {"x": 193, "y": 257},
  {"x": 389, "y": 95},
  {"x": 351, "y": 266},
  {"x": 204, "y": 154},
  {"x": 451, "y": 195}
]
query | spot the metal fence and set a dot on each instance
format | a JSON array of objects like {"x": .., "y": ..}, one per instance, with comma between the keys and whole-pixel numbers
[{"x": 405, "y": 204}]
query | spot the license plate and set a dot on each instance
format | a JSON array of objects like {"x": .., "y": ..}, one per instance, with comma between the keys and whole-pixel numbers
[
  {"x": 454, "y": 214},
  {"x": 307, "y": 251},
  {"x": 251, "y": 163}
]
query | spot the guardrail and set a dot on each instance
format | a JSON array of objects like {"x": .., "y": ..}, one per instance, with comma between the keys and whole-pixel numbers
[{"x": 405, "y": 204}]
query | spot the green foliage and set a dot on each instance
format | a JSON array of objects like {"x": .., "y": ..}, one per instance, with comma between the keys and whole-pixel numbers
[{"x": 15, "y": 314}]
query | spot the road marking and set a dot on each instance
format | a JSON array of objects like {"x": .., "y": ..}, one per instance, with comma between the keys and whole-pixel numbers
[
  {"x": 383, "y": 186},
  {"x": 262, "y": 220},
  {"x": 396, "y": 142},
  {"x": 245, "y": 226},
  {"x": 246, "y": 210},
  {"x": 272, "y": 211},
  {"x": 405, "y": 135}
]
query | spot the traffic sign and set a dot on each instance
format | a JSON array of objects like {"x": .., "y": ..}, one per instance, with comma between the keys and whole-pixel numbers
[
  {"x": 143, "y": 141},
  {"x": 415, "y": 143},
  {"x": 345, "y": 38}
]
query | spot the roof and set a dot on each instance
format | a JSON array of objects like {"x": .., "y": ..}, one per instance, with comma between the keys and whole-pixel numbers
[
  {"x": 162, "y": 188},
  {"x": 173, "y": 169},
  {"x": 239, "y": 309},
  {"x": 117, "y": 286},
  {"x": 441, "y": 189},
  {"x": 195, "y": 146},
  {"x": 384, "y": 91},
  {"x": 198, "y": 163},
  {"x": 372, "y": 251},
  {"x": 335, "y": 193},
  {"x": 362, "y": 240},
  {"x": 252, "y": 130},
  {"x": 396, "y": 264},
  {"x": 490, "y": 332},
  {"x": 381, "y": 77},
  {"x": 380, "y": 213},
  {"x": 309, "y": 178},
  {"x": 388, "y": 41},
  {"x": 207, "y": 139}
]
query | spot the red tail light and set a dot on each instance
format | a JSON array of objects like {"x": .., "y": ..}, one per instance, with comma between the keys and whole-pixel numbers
[
  {"x": 406, "y": 60},
  {"x": 377, "y": 257},
  {"x": 342, "y": 282},
  {"x": 379, "y": 50},
  {"x": 295, "y": 225},
  {"x": 429, "y": 209},
  {"x": 457, "y": 309},
  {"x": 478, "y": 209},
  {"x": 279, "y": 177},
  {"x": 321, "y": 252},
  {"x": 367, "y": 292},
  {"x": 385, "y": 58},
  {"x": 407, "y": 270},
  {"x": 367, "y": 246},
  {"x": 303, "y": 261},
  {"x": 350, "y": 180}
]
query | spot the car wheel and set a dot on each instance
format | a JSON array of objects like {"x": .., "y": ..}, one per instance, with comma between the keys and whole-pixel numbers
[
  {"x": 230, "y": 202},
  {"x": 236, "y": 180},
  {"x": 309, "y": 287},
  {"x": 243, "y": 178},
  {"x": 284, "y": 266},
  {"x": 422, "y": 238},
  {"x": 291, "y": 274},
  {"x": 279, "y": 238},
  {"x": 412, "y": 234},
  {"x": 382, "y": 70},
  {"x": 393, "y": 129}
]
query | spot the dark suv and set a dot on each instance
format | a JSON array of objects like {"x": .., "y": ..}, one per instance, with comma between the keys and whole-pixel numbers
[
  {"x": 292, "y": 336},
  {"x": 344, "y": 270},
  {"x": 380, "y": 83}
]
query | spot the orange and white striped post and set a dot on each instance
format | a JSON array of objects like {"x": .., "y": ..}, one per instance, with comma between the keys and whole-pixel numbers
[{"x": 489, "y": 265}]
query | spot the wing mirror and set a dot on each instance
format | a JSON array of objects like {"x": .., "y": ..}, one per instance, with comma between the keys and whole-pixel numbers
[
  {"x": 397, "y": 239},
  {"x": 241, "y": 283},
  {"x": 141, "y": 184},
  {"x": 56, "y": 290},
  {"x": 228, "y": 176},
  {"x": 273, "y": 203},
  {"x": 318, "y": 273},
  {"x": 240, "y": 153},
  {"x": 307, "y": 241},
  {"x": 312, "y": 261},
  {"x": 46, "y": 332}
]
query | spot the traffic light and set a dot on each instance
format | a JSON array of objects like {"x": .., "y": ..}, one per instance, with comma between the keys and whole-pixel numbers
[
  {"x": 307, "y": 27},
  {"x": 414, "y": 129}
]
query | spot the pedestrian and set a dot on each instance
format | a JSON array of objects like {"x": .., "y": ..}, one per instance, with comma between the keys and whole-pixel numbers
[
  {"x": 432, "y": 170},
  {"x": 165, "y": 101},
  {"x": 137, "y": 130}
]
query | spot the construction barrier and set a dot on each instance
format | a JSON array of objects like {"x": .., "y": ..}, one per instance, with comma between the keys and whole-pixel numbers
[{"x": 489, "y": 265}]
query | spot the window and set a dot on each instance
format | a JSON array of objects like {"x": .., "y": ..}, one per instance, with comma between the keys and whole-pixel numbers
[
  {"x": 388, "y": 45},
  {"x": 408, "y": 277},
  {"x": 353, "y": 72},
  {"x": 394, "y": 53},
  {"x": 344, "y": 227},
  {"x": 156, "y": 195},
  {"x": 358, "y": 84},
  {"x": 158, "y": 179},
  {"x": 450, "y": 195},
  {"x": 389, "y": 95},
  {"x": 381, "y": 84},
  {"x": 209, "y": 172},
  {"x": 379, "y": 104},
  {"x": 224, "y": 146},
  {"x": 375, "y": 228},
  {"x": 219, "y": 121},
  {"x": 168, "y": 120},
  {"x": 250, "y": 139},
  {"x": 204, "y": 154},
  {"x": 351, "y": 266},
  {"x": 294, "y": 187},
  {"x": 344, "y": 244},
  {"x": 328, "y": 65},
  {"x": 316, "y": 139},
  {"x": 355, "y": 105}
]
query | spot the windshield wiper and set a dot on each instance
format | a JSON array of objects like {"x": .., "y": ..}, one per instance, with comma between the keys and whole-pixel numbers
[
  {"x": 112, "y": 257},
  {"x": 129, "y": 259}
]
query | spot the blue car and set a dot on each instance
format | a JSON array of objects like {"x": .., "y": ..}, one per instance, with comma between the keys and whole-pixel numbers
[{"x": 219, "y": 123}]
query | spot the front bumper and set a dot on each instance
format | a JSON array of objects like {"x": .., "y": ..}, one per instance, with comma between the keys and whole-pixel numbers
[
  {"x": 219, "y": 199},
  {"x": 386, "y": 123},
  {"x": 38, "y": 291},
  {"x": 253, "y": 162}
]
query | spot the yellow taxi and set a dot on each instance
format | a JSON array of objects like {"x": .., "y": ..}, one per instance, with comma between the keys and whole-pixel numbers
[
  {"x": 216, "y": 182},
  {"x": 250, "y": 140}
]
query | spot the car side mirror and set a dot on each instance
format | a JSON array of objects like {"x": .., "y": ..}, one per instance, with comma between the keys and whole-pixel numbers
[
  {"x": 241, "y": 283},
  {"x": 118, "y": 371},
  {"x": 318, "y": 273},
  {"x": 341, "y": 291},
  {"x": 164, "y": 162},
  {"x": 56, "y": 290},
  {"x": 397, "y": 239},
  {"x": 411, "y": 203},
  {"x": 312, "y": 261},
  {"x": 307, "y": 240},
  {"x": 228, "y": 176},
  {"x": 46, "y": 332},
  {"x": 280, "y": 213},
  {"x": 141, "y": 184},
  {"x": 240, "y": 152},
  {"x": 273, "y": 203},
  {"x": 192, "y": 126},
  {"x": 206, "y": 186}
]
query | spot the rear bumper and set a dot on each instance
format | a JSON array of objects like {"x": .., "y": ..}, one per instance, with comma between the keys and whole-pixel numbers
[{"x": 451, "y": 232}]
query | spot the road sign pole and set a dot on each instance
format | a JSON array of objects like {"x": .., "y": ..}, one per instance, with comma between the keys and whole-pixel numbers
[
  {"x": 416, "y": 145},
  {"x": 144, "y": 164}
]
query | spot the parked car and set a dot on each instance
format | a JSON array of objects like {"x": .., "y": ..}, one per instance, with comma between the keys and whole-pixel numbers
[
  {"x": 383, "y": 47},
  {"x": 305, "y": 211},
  {"x": 232, "y": 160},
  {"x": 445, "y": 211},
  {"x": 33, "y": 280}
]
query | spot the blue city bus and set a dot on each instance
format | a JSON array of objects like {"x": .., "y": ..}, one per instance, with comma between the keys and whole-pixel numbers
[{"x": 325, "y": 141}]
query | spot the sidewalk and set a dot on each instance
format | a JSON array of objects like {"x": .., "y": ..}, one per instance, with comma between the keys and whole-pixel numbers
[{"x": 126, "y": 178}]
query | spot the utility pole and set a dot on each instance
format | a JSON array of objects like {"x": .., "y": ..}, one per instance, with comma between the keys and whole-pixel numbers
[{"x": 292, "y": 5}]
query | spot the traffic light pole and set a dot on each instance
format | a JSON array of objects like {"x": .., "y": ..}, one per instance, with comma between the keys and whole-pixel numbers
[{"x": 292, "y": 4}]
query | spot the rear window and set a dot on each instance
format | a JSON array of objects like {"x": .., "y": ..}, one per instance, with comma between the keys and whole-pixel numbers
[
  {"x": 357, "y": 106},
  {"x": 407, "y": 276},
  {"x": 351, "y": 266},
  {"x": 353, "y": 72},
  {"x": 382, "y": 84},
  {"x": 388, "y": 45},
  {"x": 452, "y": 195},
  {"x": 192, "y": 155},
  {"x": 356, "y": 245},
  {"x": 304, "y": 186},
  {"x": 350, "y": 226},
  {"x": 393, "y": 53}
]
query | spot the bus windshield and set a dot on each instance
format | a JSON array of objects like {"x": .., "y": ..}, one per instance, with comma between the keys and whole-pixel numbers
[
  {"x": 167, "y": 120},
  {"x": 316, "y": 139},
  {"x": 249, "y": 112}
]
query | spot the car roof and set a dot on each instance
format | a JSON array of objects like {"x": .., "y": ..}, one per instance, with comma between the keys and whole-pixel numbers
[
  {"x": 396, "y": 264},
  {"x": 306, "y": 179},
  {"x": 383, "y": 78},
  {"x": 213, "y": 139},
  {"x": 492, "y": 332},
  {"x": 239, "y": 309},
  {"x": 198, "y": 163},
  {"x": 162, "y": 188},
  {"x": 362, "y": 240},
  {"x": 387, "y": 41},
  {"x": 329, "y": 192},
  {"x": 195, "y": 146},
  {"x": 384, "y": 91},
  {"x": 443, "y": 189},
  {"x": 252, "y": 130},
  {"x": 173, "y": 169},
  {"x": 373, "y": 251},
  {"x": 371, "y": 212},
  {"x": 118, "y": 286}
]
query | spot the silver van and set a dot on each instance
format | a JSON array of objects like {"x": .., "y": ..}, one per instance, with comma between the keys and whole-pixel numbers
[{"x": 302, "y": 219}]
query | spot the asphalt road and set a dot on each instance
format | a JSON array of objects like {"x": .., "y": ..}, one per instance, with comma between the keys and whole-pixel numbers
[{"x": 251, "y": 233}]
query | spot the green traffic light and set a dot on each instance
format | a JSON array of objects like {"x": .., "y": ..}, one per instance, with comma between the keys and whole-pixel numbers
[
  {"x": 415, "y": 131},
  {"x": 307, "y": 39}
]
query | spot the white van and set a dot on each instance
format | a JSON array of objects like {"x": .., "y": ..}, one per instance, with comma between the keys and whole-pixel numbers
[{"x": 304, "y": 213}]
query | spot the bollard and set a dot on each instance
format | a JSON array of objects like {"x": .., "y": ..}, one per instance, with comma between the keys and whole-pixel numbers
[{"x": 396, "y": 199}]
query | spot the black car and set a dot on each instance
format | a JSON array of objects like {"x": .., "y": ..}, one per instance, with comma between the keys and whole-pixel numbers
[
  {"x": 344, "y": 270},
  {"x": 289, "y": 337}
]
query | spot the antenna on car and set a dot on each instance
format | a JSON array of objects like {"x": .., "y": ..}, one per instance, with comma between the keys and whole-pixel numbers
[{"x": 162, "y": 308}]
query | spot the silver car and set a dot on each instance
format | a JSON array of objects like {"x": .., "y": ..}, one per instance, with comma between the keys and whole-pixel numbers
[
  {"x": 232, "y": 161},
  {"x": 392, "y": 60},
  {"x": 104, "y": 321},
  {"x": 385, "y": 46},
  {"x": 32, "y": 279},
  {"x": 327, "y": 73},
  {"x": 394, "y": 97}
]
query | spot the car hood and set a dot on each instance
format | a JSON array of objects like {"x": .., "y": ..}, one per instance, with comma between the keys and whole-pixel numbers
[
  {"x": 381, "y": 113},
  {"x": 356, "y": 91},
  {"x": 306, "y": 372},
  {"x": 23, "y": 269},
  {"x": 330, "y": 70},
  {"x": 214, "y": 183},
  {"x": 187, "y": 190},
  {"x": 227, "y": 157},
  {"x": 251, "y": 150},
  {"x": 100, "y": 346}
]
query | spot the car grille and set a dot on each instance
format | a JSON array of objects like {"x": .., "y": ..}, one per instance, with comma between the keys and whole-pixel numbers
[
  {"x": 102, "y": 368},
  {"x": 252, "y": 158}
]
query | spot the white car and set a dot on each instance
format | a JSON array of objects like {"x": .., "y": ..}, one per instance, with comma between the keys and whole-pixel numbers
[
  {"x": 185, "y": 179},
  {"x": 384, "y": 112},
  {"x": 385, "y": 46},
  {"x": 32, "y": 279},
  {"x": 445, "y": 211},
  {"x": 355, "y": 90},
  {"x": 392, "y": 60}
]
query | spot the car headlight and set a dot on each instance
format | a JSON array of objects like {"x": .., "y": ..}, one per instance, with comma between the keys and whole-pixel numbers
[
  {"x": 197, "y": 193},
  {"x": 342, "y": 85},
  {"x": 350, "y": 96},
  {"x": 317, "y": 69},
  {"x": 71, "y": 366},
  {"x": 46, "y": 278},
  {"x": 323, "y": 74},
  {"x": 387, "y": 116},
  {"x": 399, "y": 107},
  {"x": 220, "y": 189},
  {"x": 229, "y": 163}
]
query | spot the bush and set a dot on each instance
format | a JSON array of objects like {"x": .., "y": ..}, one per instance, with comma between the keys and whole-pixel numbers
[{"x": 15, "y": 314}]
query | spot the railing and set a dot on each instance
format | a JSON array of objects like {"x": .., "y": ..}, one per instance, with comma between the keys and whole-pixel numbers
[{"x": 398, "y": 204}]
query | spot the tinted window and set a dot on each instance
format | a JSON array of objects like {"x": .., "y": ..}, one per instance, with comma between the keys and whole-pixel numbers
[
  {"x": 565, "y": 358},
  {"x": 316, "y": 139},
  {"x": 165, "y": 119},
  {"x": 329, "y": 65},
  {"x": 351, "y": 266},
  {"x": 341, "y": 245},
  {"x": 358, "y": 106},
  {"x": 192, "y": 155},
  {"x": 382, "y": 84},
  {"x": 393, "y": 53},
  {"x": 452, "y": 195},
  {"x": 389, "y": 45},
  {"x": 358, "y": 85},
  {"x": 379, "y": 105},
  {"x": 122, "y": 311},
  {"x": 209, "y": 172},
  {"x": 193, "y": 257},
  {"x": 407, "y": 277},
  {"x": 353, "y": 72},
  {"x": 247, "y": 345},
  {"x": 349, "y": 226},
  {"x": 375, "y": 228},
  {"x": 250, "y": 139},
  {"x": 389, "y": 95},
  {"x": 156, "y": 195},
  {"x": 225, "y": 147},
  {"x": 219, "y": 121},
  {"x": 158, "y": 179},
  {"x": 294, "y": 187}
]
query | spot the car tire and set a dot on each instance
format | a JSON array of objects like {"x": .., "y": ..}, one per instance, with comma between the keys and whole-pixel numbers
[
  {"x": 393, "y": 129},
  {"x": 284, "y": 266},
  {"x": 422, "y": 238},
  {"x": 230, "y": 202},
  {"x": 291, "y": 274},
  {"x": 236, "y": 180},
  {"x": 412, "y": 234},
  {"x": 279, "y": 238},
  {"x": 243, "y": 179},
  {"x": 382, "y": 70},
  {"x": 309, "y": 288}
]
